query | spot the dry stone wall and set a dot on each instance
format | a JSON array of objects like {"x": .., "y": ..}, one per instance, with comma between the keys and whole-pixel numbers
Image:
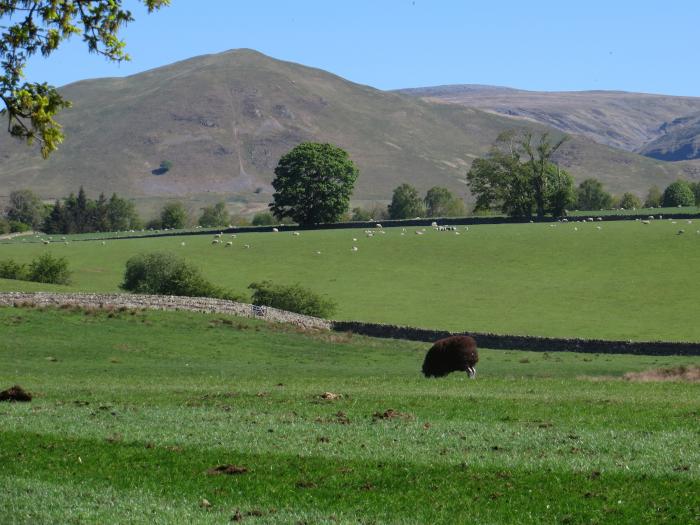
[{"x": 163, "y": 302}]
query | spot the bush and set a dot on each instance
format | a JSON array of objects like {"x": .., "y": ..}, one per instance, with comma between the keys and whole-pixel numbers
[
  {"x": 294, "y": 298},
  {"x": 264, "y": 218},
  {"x": 19, "y": 227},
  {"x": 168, "y": 274},
  {"x": 9, "y": 269},
  {"x": 4, "y": 226},
  {"x": 49, "y": 269}
]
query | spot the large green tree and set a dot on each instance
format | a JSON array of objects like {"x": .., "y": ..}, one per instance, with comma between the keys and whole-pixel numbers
[
  {"x": 518, "y": 177},
  {"x": 406, "y": 203},
  {"x": 25, "y": 207},
  {"x": 590, "y": 195},
  {"x": 313, "y": 183},
  {"x": 174, "y": 216},
  {"x": 679, "y": 193},
  {"x": 441, "y": 202},
  {"x": 41, "y": 26}
]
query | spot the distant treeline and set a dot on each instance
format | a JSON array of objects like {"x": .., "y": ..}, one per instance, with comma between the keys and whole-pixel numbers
[{"x": 75, "y": 214}]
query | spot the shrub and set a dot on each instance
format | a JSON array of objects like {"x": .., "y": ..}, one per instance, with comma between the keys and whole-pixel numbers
[
  {"x": 264, "y": 218},
  {"x": 168, "y": 274},
  {"x": 19, "y": 227},
  {"x": 10, "y": 269},
  {"x": 293, "y": 298},
  {"x": 49, "y": 269},
  {"x": 4, "y": 226}
]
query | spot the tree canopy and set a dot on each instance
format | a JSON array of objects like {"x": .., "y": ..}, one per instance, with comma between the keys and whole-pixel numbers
[
  {"x": 679, "y": 193},
  {"x": 406, "y": 203},
  {"x": 41, "y": 26},
  {"x": 519, "y": 177},
  {"x": 213, "y": 216},
  {"x": 590, "y": 195},
  {"x": 441, "y": 202},
  {"x": 313, "y": 184}
]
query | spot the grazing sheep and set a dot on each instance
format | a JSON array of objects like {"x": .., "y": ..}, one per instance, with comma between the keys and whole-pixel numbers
[
  {"x": 229, "y": 244},
  {"x": 419, "y": 232},
  {"x": 275, "y": 230},
  {"x": 104, "y": 243},
  {"x": 379, "y": 225},
  {"x": 217, "y": 236},
  {"x": 296, "y": 234},
  {"x": 434, "y": 224},
  {"x": 452, "y": 354},
  {"x": 246, "y": 245},
  {"x": 182, "y": 243},
  {"x": 681, "y": 232},
  {"x": 215, "y": 241},
  {"x": 354, "y": 248},
  {"x": 354, "y": 239},
  {"x": 646, "y": 222}
]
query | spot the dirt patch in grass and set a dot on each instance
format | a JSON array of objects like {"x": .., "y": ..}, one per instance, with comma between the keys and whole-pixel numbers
[
  {"x": 229, "y": 470},
  {"x": 390, "y": 414},
  {"x": 690, "y": 374},
  {"x": 15, "y": 393}
]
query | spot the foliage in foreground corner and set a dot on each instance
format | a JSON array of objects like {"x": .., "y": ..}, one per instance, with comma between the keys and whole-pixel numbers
[
  {"x": 293, "y": 298},
  {"x": 169, "y": 274},
  {"x": 40, "y": 26}
]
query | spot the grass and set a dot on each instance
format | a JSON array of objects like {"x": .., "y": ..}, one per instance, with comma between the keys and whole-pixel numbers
[
  {"x": 133, "y": 408},
  {"x": 623, "y": 281}
]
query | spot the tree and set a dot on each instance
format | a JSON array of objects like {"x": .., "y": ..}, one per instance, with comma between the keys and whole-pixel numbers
[
  {"x": 695, "y": 186},
  {"x": 313, "y": 183},
  {"x": 590, "y": 195},
  {"x": 678, "y": 193},
  {"x": 406, "y": 203},
  {"x": 41, "y": 26},
  {"x": 25, "y": 207},
  {"x": 654, "y": 197},
  {"x": 519, "y": 177},
  {"x": 56, "y": 220},
  {"x": 630, "y": 201},
  {"x": 263, "y": 218},
  {"x": 173, "y": 216},
  {"x": 214, "y": 216},
  {"x": 121, "y": 214},
  {"x": 441, "y": 202}
]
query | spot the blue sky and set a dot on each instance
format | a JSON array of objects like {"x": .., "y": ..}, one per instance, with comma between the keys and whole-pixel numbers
[{"x": 644, "y": 45}]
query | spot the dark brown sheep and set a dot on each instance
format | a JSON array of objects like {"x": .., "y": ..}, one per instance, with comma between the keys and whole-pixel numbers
[{"x": 452, "y": 354}]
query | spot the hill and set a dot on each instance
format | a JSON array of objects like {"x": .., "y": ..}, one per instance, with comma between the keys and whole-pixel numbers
[
  {"x": 224, "y": 120},
  {"x": 680, "y": 141},
  {"x": 628, "y": 121}
]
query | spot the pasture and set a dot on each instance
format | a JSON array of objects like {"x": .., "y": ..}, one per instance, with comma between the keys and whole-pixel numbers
[
  {"x": 616, "y": 280},
  {"x": 132, "y": 410}
]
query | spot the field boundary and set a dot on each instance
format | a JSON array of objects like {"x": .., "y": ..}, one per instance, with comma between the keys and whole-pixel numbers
[
  {"x": 163, "y": 302},
  {"x": 383, "y": 331},
  {"x": 405, "y": 223},
  {"x": 523, "y": 342}
]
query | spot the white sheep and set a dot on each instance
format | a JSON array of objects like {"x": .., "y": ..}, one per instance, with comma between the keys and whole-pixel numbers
[
  {"x": 246, "y": 246},
  {"x": 354, "y": 239},
  {"x": 354, "y": 248},
  {"x": 229, "y": 244},
  {"x": 379, "y": 225},
  {"x": 419, "y": 232},
  {"x": 275, "y": 230},
  {"x": 215, "y": 241},
  {"x": 296, "y": 234},
  {"x": 182, "y": 243}
]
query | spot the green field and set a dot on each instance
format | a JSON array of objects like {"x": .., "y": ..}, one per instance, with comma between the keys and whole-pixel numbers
[
  {"x": 133, "y": 408},
  {"x": 625, "y": 280}
]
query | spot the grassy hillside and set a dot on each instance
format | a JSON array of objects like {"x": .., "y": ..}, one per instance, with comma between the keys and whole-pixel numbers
[
  {"x": 224, "y": 120},
  {"x": 625, "y": 280},
  {"x": 132, "y": 410}
]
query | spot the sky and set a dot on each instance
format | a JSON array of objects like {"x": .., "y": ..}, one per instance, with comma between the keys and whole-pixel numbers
[{"x": 643, "y": 45}]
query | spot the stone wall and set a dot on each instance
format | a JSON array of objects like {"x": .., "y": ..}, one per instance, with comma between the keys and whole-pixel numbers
[
  {"x": 522, "y": 342},
  {"x": 163, "y": 302}
]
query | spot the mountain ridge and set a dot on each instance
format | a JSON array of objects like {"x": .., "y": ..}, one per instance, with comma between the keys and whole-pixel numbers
[{"x": 224, "y": 119}]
